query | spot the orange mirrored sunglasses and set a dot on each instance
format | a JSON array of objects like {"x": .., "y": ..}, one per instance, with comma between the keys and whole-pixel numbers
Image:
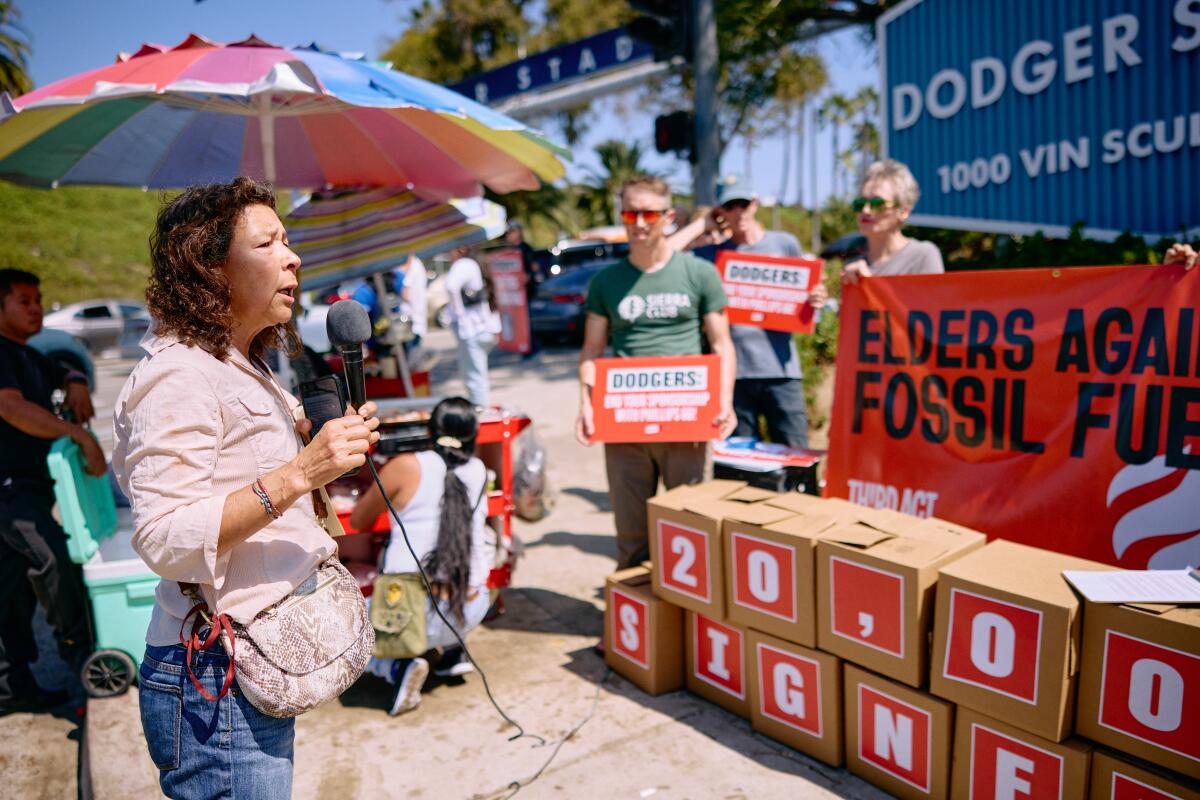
[{"x": 649, "y": 215}]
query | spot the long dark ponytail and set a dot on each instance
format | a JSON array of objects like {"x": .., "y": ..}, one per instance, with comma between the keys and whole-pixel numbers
[{"x": 453, "y": 426}]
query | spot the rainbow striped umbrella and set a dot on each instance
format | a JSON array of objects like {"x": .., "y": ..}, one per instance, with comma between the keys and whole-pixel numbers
[
  {"x": 356, "y": 234},
  {"x": 301, "y": 118}
]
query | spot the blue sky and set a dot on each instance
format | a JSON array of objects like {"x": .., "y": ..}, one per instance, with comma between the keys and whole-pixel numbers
[{"x": 71, "y": 36}]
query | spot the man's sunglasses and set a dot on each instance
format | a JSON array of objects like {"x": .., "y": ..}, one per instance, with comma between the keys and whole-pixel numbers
[
  {"x": 649, "y": 215},
  {"x": 876, "y": 204}
]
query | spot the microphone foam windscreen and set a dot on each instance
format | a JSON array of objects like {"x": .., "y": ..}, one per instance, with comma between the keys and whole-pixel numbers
[{"x": 347, "y": 324}]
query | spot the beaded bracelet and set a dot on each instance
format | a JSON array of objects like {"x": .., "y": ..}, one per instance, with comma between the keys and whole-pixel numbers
[{"x": 265, "y": 499}]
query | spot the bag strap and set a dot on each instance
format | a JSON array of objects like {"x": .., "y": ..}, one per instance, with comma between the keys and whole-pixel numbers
[{"x": 215, "y": 627}]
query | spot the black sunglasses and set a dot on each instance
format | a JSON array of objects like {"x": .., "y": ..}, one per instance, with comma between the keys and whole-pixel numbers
[{"x": 735, "y": 205}]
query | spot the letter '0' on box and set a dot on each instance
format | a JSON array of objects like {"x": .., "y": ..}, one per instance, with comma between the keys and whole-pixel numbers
[
  {"x": 1121, "y": 777},
  {"x": 643, "y": 635},
  {"x": 1140, "y": 682},
  {"x": 995, "y": 760},
  {"x": 897, "y": 738},
  {"x": 796, "y": 696},
  {"x": 716, "y": 663},
  {"x": 1007, "y": 636}
]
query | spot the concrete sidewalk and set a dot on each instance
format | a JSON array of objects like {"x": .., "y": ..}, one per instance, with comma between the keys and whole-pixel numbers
[{"x": 540, "y": 666}]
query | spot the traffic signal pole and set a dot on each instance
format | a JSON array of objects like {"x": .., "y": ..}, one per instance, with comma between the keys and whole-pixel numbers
[{"x": 707, "y": 139}]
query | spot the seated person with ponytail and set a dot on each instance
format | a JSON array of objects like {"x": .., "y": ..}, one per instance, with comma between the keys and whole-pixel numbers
[{"x": 439, "y": 496}]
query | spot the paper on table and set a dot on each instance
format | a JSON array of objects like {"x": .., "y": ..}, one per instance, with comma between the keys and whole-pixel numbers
[{"x": 1137, "y": 586}]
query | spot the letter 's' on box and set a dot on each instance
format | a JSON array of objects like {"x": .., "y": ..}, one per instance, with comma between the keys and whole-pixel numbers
[
  {"x": 796, "y": 696},
  {"x": 643, "y": 635},
  {"x": 875, "y": 592},
  {"x": 897, "y": 738},
  {"x": 992, "y": 759},
  {"x": 1006, "y": 636},
  {"x": 1139, "y": 686},
  {"x": 686, "y": 543}
]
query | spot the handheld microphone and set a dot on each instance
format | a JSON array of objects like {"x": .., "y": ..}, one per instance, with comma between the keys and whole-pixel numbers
[{"x": 348, "y": 326}]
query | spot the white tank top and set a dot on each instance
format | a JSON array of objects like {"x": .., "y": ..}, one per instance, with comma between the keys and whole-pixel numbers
[{"x": 424, "y": 510}]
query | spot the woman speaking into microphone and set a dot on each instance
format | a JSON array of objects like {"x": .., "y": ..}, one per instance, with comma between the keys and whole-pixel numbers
[{"x": 223, "y": 500}]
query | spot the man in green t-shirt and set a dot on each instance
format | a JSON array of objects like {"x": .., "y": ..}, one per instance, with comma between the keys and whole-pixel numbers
[{"x": 657, "y": 302}]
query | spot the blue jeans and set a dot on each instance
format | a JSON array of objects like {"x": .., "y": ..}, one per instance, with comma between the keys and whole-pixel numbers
[
  {"x": 473, "y": 365},
  {"x": 226, "y": 749},
  {"x": 780, "y": 401}
]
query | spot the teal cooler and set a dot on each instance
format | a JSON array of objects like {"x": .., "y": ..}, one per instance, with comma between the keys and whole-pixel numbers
[{"x": 119, "y": 583}]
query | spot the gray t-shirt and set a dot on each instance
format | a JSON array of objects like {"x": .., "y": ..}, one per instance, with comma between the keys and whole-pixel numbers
[
  {"x": 915, "y": 258},
  {"x": 762, "y": 353}
]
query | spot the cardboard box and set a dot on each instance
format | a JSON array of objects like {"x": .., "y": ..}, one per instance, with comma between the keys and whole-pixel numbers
[
  {"x": 643, "y": 635},
  {"x": 1139, "y": 686},
  {"x": 1006, "y": 636},
  {"x": 875, "y": 591},
  {"x": 993, "y": 759},
  {"x": 796, "y": 696},
  {"x": 686, "y": 542},
  {"x": 896, "y": 737},
  {"x": 769, "y": 576},
  {"x": 717, "y": 663},
  {"x": 844, "y": 510},
  {"x": 1117, "y": 778}
]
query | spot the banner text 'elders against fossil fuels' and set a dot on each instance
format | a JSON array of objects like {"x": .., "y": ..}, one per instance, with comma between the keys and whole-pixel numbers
[{"x": 1055, "y": 407}]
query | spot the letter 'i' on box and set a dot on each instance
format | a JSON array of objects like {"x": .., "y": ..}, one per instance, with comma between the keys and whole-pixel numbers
[
  {"x": 716, "y": 663},
  {"x": 1140, "y": 682}
]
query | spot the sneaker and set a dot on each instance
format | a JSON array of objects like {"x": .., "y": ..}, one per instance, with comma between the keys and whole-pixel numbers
[
  {"x": 453, "y": 664},
  {"x": 408, "y": 688}
]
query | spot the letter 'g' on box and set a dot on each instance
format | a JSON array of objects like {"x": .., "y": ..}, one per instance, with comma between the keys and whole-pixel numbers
[
  {"x": 718, "y": 660},
  {"x": 1005, "y": 767},
  {"x": 684, "y": 553},
  {"x": 789, "y": 689},
  {"x": 894, "y": 737},
  {"x": 994, "y": 645},
  {"x": 629, "y": 635},
  {"x": 1152, "y": 693}
]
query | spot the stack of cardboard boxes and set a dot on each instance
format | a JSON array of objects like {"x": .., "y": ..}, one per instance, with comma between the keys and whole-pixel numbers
[{"x": 929, "y": 662}]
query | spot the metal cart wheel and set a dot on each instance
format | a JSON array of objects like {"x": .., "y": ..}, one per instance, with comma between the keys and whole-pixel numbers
[{"x": 107, "y": 673}]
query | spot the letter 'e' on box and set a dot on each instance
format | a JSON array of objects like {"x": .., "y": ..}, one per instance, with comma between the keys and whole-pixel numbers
[
  {"x": 643, "y": 635},
  {"x": 994, "y": 760},
  {"x": 717, "y": 663},
  {"x": 1139, "y": 689},
  {"x": 875, "y": 591},
  {"x": 1120, "y": 778},
  {"x": 896, "y": 737},
  {"x": 686, "y": 544},
  {"x": 796, "y": 696},
  {"x": 1006, "y": 636},
  {"x": 769, "y": 575}
]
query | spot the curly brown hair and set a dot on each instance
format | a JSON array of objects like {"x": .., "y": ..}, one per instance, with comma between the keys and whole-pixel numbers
[{"x": 188, "y": 295}]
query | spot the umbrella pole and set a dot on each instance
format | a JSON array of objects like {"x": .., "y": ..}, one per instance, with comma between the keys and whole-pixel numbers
[
  {"x": 397, "y": 347},
  {"x": 266, "y": 127}
]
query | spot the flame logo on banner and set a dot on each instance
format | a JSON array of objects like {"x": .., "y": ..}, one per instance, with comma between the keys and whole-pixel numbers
[{"x": 1167, "y": 513}]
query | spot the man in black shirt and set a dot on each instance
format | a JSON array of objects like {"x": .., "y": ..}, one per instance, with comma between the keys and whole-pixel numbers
[{"x": 34, "y": 564}]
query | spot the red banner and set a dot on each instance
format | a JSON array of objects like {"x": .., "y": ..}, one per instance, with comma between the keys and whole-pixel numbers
[
  {"x": 769, "y": 291},
  {"x": 659, "y": 399},
  {"x": 1055, "y": 407},
  {"x": 508, "y": 280}
]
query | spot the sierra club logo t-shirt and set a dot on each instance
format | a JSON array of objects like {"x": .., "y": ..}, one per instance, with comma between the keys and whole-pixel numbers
[{"x": 656, "y": 313}]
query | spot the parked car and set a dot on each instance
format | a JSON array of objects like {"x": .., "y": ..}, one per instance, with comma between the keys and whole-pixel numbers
[
  {"x": 99, "y": 324},
  {"x": 848, "y": 248},
  {"x": 572, "y": 253},
  {"x": 556, "y": 310},
  {"x": 65, "y": 349}
]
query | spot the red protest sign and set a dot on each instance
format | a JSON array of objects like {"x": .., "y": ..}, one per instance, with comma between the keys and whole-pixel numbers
[
  {"x": 1055, "y": 407},
  {"x": 508, "y": 281},
  {"x": 769, "y": 291},
  {"x": 660, "y": 399}
]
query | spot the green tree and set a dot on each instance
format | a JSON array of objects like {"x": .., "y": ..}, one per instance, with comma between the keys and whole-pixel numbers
[
  {"x": 619, "y": 161},
  {"x": 834, "y": 113},
  {"x": 447, "y": 41},
  {"x": 14, "y": 51}
]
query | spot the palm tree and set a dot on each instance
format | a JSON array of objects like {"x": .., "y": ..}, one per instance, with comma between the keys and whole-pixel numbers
[
  {"x": 619, "y": 162},
  {"x": 866, "y": 134},
  {"x": 14, "y": 51},
  {"x": 835, "y": 112}
]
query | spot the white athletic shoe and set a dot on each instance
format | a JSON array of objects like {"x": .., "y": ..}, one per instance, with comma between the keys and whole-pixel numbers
[{"x": 408, "y": 688}]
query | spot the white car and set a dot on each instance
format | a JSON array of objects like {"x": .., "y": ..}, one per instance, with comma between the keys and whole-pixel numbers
[{"x": 99, "y": 324}]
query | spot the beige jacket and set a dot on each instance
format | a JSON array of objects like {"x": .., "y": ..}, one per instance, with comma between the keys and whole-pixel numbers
[{"x": 189, "y": 429}]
